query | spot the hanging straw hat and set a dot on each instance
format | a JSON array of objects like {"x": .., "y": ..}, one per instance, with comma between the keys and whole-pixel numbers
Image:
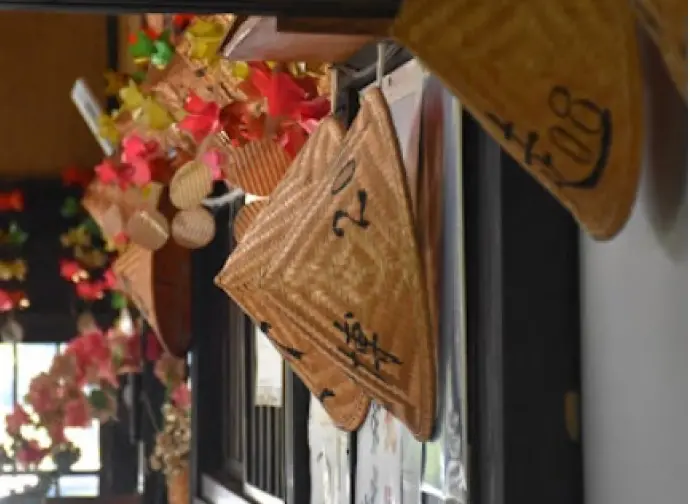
[
  {"x": 245, "y": 217},
  {"x": 348, "y": 272},
  {"x": 256, "y": 167},
  {"x": 159, "y": 282},
  {"x": 341, "y": 397},
  {"x": 666, "y": 22},
  {"x": 556, "y": 83}
]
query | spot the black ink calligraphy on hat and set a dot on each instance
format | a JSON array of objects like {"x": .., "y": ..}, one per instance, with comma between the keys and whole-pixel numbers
[
  {"x": 241, "y": 278},
  {"x": 349, "y": 273},
  {"x": 557, "y": 84}
]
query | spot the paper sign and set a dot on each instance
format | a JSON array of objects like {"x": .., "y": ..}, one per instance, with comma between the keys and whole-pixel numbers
[{"x": 90, "y": 110}]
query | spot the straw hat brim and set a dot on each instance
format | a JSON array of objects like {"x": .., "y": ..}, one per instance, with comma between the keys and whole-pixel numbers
[{"x": 556, "y": 83}]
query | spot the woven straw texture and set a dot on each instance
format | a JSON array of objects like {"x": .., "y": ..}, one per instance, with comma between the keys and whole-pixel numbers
[
  {"x": 111, "y": 207},
  {"x": 190, "y": 185},
  {"x": 160, "y": 281},
  {"x": 556, "y": 83},
  {"x": 133, "y": 269},
  {"x": 245, "y": 217},
  {"x": 240, "y": 277},
  {"x": 193, "y": 228},
  {"x": 257, "y": 167},
  {"x": 348, "y": 272},
  {"x": 666, "y": 22},
  {"x": 148, "y": 228}
]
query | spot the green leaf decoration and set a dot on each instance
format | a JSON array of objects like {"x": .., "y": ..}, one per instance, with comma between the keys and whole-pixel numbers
[
  {"x": 70, "y": 207},
  {"x": 118, "y": 301},
  {"x": 16, "y": 235},
  {"x": 164, "y": 53},
  {"x": 91, "y": 227},
  {"x": 98, "y": 399},
  {"x": 139, "y": 76},
  {"x": 142, "y": 47}
]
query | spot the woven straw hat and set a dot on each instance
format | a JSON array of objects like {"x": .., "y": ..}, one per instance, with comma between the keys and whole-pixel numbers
[
  {"x": 556, "y": 83},
  {"x": 256, "y": 167},
  {"x": 241, "y": 276},
  {"x": 245, "y": 217},
  {"x": 157, "y": 281},
  {"x": 666, "y": 22},
  {"x": 349, "y": 274}
]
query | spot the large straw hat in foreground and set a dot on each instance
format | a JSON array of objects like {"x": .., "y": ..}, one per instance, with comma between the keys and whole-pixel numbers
[
  {"x": 556, "y": 82},
  {"x": 346, "y": 273},
  {"x": 240, "y": 278}
]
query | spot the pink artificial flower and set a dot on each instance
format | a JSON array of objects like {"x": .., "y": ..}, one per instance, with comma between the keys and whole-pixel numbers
[
  {"x": 30, "y": 453},
  {"x": 56, "y": 431},
  {"x": 109, "y": 279},
  {"x": 16, "y": 420},
  {"x": 70, "y": 270},
  {"x": 64, "y": 367},
  {"x": 77, "y": 412},
  {"x": 42, "y": 394},
  {"x": 182, "y": 396},
  {"x": 107, "y": 172}
]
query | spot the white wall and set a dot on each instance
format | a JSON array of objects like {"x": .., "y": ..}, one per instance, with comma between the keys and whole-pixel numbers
[{"x": 635, "y": 324}]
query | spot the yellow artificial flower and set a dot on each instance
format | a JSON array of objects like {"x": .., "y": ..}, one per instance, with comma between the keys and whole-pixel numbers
[
  {"x": 205, "y": 38},
  {"x": 107, "y": 129},
  {"x": 131, "y": 97},
  {"x": 155, "y": 116}
]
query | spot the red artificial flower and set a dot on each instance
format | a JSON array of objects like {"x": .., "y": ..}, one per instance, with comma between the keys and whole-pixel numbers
[
  {"x": 6, "y": 302},
  {"x": 42, "y": 395},
  {"x": 71, "y": 270},
  {"x": 202, "y": 119},
  {"x": 56, "y": 432},
  {"x": 90, "y": 291},
  {"x": 12, "y": 201},
  {"x": 16, "y": 420},
  {"x": 107, "y": 172},
  {"x": 280, "y": 89},
  {"x": 154, "y": 350},
  {"x": 109, "y": 279},
  {"x": 180, "y": 21},
  {"x": 73, "y": 176},
  {"x": 182, "y": 396}
]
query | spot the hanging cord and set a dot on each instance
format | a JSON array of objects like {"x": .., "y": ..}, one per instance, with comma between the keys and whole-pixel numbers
[
  {"x": 380, "y": 63},
  {"x": 225, "y": 199}
]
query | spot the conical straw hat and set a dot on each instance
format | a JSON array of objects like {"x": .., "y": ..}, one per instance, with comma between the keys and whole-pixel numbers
[
  {"x": 190, "y": 185},
  {"x": 256, "y": 167},
  {"x": 193, "y": 228},
  {"x": 349, "y": 273},
  {"x": 557, "y": 83},
  {"x": 666, "y": 22},
  {"x": 342, "y": 398},
  {"x": 159, "y": 282},
  {"x": 245, "y": 217}
]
